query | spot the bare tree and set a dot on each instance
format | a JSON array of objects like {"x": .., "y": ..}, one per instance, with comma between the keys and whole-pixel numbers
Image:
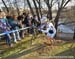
[
  {"x": 49, "y": 4},
  {"x": 30, "y": 7},
  {"x": 74, "y": 34},
  {"x": 5, "y": 6},
  {"x": 37, "y": 12},
  {"x": 39, "y": 3},
  {"x": 10, "y": 5},
  {"x": 61, "y": 5}
]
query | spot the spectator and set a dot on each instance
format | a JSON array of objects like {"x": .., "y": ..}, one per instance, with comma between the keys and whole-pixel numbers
[
  {"x": 15, "y": 27},
  {"x": 26, "y": 22},
  {"x": 4, "y": 27},
  {"x": 21, "y": 25},
  {"x": 10, "y": 21},
  {"x": 35, "y": 21}
]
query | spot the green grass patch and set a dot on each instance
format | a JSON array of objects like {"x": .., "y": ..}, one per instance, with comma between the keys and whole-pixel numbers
[{"x": 29, "y": 51}]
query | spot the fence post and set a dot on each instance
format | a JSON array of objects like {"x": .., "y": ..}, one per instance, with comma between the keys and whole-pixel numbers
[{"x": 74, "y": 34}]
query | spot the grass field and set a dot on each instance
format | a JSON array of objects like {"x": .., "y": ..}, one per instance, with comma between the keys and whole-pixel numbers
[{"x": 26, "y": 50}]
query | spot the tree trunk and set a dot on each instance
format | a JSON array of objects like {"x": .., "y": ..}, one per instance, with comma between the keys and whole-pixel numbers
[
  {"x": 49, "y": 13},
  {"x": 56, "y": 20},
  {"x": 30, "y": 7},
  {"x": 37, "y": 12},
  {"x": 5, "y": 6},
  {"x": 74, "y": 35},
  {"x": 40, "y": 9},
  {"x": 39, "y": 3}
]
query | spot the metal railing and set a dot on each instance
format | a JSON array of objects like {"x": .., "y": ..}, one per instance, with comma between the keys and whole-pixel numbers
[{"x": 8, "y": 32}]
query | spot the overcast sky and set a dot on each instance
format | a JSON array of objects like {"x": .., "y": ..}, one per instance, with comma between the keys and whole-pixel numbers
[{"x": 21, "y": 4}]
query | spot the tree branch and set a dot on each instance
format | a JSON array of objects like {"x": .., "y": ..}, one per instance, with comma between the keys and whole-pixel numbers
[
  {"x": 5, "y": 5},
  {"x": 30, "y": 7},
  {"x": 66, "y": 3}
]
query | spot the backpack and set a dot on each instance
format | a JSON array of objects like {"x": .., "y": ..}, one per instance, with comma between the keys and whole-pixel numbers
[{"x": 51, "y": 31}]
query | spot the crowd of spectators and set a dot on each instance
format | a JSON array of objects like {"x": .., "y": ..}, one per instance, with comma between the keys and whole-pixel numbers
[{"x": 14, "y": 22}]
